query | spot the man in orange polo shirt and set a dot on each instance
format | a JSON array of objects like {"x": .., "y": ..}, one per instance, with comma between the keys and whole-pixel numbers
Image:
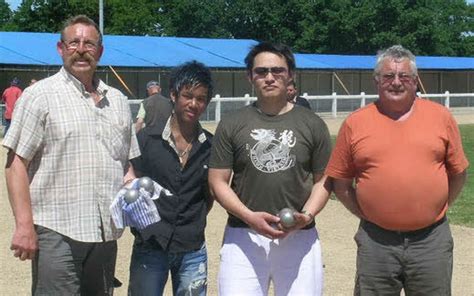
[{"x": 406, "y": 158}]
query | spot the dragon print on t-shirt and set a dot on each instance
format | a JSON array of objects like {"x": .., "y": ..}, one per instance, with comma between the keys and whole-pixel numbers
[{"x": 271, "y": 153}]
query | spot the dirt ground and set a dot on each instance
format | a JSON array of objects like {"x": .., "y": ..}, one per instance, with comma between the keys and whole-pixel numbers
[{"x": 335, "y": 225}]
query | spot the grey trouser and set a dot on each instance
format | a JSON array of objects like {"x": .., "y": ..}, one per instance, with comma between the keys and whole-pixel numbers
[
  {"x": 420, "y": 262},
  {"x": 63, "y": 266}
]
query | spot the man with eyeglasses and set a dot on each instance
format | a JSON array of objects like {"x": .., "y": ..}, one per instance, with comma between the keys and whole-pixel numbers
[
  {"x": 398, "y": 164},
  {"x": 277, "y": 153},
  {"x": 69, "y": 144}
]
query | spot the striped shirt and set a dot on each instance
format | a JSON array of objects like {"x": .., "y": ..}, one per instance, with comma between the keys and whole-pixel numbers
[{"x": 78, "y": 153}]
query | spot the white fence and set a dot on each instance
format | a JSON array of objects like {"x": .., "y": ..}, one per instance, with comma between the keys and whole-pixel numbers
[
  {"x": 333, "y": 105},
  {"x": 330, "y": 105}
]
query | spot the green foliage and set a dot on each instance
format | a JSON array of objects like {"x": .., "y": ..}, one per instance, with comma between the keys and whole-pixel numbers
[
  {"x": 427, "y": 27},
  {"x": 49, "y": 15},
  {"x": 5, "y": 16},
  {"x": 138, "y": 17},
  {"x": 462, "y": 212},
  {"x": 193, "y": 18}
]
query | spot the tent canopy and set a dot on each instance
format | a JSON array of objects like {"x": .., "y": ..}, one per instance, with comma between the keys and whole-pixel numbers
[{"x": 39, "y": 49}]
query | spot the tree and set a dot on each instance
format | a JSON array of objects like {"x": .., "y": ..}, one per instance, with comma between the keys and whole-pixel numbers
[
  {"x": 427, "y": 27},
  {"x": 5, "y": 16},
  {"x": 138, "y": 17},
  {"x": 193, "y": 18},
  {"x": 430, "y": 27},
  {"x": 39, "y": 16}
]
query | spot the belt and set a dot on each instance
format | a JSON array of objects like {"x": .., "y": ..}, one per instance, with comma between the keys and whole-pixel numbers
[{"x": 411, "y": 232}]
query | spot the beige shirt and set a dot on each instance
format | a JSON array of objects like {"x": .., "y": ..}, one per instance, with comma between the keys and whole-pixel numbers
[{"x": 78, "y": 153}]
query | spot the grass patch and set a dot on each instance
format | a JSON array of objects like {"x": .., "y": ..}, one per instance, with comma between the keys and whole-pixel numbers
[{"x": 462, "y": 212}]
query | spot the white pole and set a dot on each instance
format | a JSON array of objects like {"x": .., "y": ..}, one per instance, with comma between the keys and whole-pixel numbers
[
  {"x": 247, "y": 96},
  {"x": 334, "y": 105},
  {"x": 362, "y": 99},
  {"x": 101, "y": 16},
  {"x": 218, "y": 108},
  {"x": 446, "y": 100}
]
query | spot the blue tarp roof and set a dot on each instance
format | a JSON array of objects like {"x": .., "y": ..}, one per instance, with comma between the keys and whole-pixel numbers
[{"x": 39, "y": 49}]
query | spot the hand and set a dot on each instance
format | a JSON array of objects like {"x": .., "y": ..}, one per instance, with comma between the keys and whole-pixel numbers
[
  {"x": 262, "y": 223},
  {"x": 130, "y": 175},
  {"x": 126, "y": 182},
  {"x": 24, "y": 243},
  {"x": 301, "y": 221},
  {"x": 128, "y": 178}
]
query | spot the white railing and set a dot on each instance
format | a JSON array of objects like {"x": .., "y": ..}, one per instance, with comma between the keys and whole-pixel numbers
[
  {"x": 334, "y": 98},
  {"x": 328, "y": 105}
]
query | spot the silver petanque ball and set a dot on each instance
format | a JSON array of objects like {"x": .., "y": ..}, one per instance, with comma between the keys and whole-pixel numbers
[
  {"x": 286, "y": 217},
  {"x": 131, "y": 195},
  {"x": 147, "y": 184}
]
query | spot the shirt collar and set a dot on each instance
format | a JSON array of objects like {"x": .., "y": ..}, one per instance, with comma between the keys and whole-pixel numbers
[
  {"x": 100, "y": 86},
  {"x": 166, "y": 135}
]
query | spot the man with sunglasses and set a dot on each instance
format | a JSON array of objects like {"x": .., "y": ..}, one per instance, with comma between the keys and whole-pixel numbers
[
  {"x": 277, "y": 153},
  {"x": 398, "y": 165},
  {"x": 69, "y": 144}
]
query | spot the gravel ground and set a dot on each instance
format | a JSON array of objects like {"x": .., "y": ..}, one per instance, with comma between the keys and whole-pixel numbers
[{"x": 335, "y": 225}]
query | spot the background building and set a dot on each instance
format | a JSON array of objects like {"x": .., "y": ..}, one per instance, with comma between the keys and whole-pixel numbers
[{"x": 131, "y": 61}]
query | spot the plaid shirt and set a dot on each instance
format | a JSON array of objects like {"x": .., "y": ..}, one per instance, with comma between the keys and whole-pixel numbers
[{"x": 78, "y": 153}]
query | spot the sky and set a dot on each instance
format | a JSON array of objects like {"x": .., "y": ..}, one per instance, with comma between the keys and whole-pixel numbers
[{"x": 15, "y": 3}]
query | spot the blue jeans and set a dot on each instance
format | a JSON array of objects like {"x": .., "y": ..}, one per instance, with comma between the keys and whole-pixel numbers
[
  {"x": 150, "y": 266},
  {"x": 7, "y": 126}
]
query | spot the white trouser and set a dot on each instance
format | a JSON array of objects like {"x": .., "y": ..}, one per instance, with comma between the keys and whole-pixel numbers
[{"x": 250, "y": 260}]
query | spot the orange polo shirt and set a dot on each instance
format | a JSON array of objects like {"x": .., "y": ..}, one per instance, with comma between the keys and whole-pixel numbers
[{"x": 400, "y": 167}]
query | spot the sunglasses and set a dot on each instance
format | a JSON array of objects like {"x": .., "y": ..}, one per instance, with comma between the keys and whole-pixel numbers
[{"x": 263, "y": 71}]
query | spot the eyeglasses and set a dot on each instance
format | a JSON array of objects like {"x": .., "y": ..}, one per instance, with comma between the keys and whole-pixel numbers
[
  {"x": 73, "y": 45},
  {"x": 403, "y": 77},
  {"x": 276, "y": 71}
]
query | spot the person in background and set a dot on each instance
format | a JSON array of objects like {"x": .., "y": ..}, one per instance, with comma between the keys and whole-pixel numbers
[
  {"x": 32, "y": 81},
  {"x": 294, "y": 98},
  {"x": 154, "y": 108},
  {"x": 398, "y": 165},
  {"x": 69, "y": 147},
  {"x": 9, "y": 98},
  {"x": 266, "y": 157},
  {"x": 175, "y": 154}
]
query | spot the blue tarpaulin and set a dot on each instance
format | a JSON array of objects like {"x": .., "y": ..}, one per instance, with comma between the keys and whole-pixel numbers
[{"x": 39, "y": 49}]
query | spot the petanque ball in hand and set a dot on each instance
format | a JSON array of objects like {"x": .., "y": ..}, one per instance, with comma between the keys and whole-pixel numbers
[
  {"x": 131, "y": 195},
  {"x": 286, "y": 217},
  {"x": 147, "y": 184}
]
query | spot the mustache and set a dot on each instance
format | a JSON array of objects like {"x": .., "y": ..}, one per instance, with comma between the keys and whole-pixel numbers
[
  {"x": 84, "y": 56},
  {"x": 396, "y": 88}
]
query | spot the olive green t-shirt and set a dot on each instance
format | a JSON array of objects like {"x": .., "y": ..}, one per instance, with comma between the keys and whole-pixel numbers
[{"x": 273, "y": 158}]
